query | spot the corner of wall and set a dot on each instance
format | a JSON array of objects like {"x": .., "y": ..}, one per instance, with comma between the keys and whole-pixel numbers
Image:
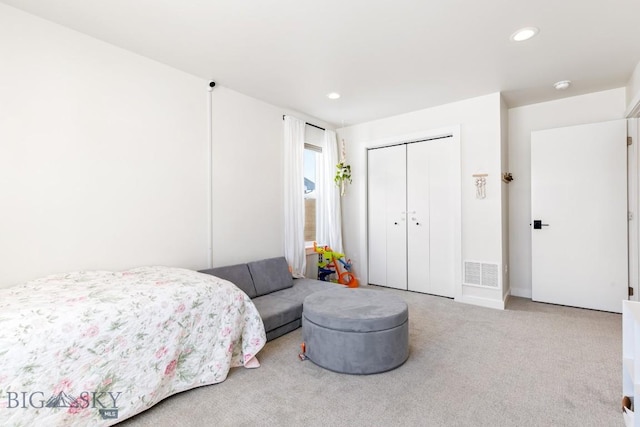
[
  {"x": 632, "y": 92},
  {"x": 504, "y": 161}
]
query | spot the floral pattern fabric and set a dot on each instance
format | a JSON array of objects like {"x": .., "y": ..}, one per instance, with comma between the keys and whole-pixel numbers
[{"x": 95, "y": 348}]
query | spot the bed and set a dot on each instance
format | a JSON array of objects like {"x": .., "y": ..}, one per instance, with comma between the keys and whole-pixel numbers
[{"x": 95, "y": 348}]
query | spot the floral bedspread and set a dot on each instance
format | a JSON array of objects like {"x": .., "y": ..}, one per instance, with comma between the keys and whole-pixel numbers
[{"x": 94, "y": 348}]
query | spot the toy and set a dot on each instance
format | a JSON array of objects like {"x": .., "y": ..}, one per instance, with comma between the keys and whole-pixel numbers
[{"x": 329, "y": 263}]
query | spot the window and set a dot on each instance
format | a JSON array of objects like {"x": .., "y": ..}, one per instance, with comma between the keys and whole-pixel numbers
[{"x": 312, "y": 155}]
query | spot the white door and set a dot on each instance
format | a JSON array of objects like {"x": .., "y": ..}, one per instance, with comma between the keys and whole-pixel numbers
[
  {"x": 443, "y": 195},
  {"x": 387, "y": 192},
  {"x": 579, "y": 215},
  {"x": 431, "y": 217},
  {"x": 418, "y": 224}
]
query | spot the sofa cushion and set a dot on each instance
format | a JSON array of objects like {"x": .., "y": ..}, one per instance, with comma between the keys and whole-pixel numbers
[
  {"x": 304, "y": 287},
  {"x": 276, "y": 312},
  {"x": 270, "y": 275},
  {"x": 237, "y": 274}
]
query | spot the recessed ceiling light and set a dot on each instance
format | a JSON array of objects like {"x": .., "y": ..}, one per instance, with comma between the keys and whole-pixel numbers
[
  {"x": 524, "y": 34},
  {"x": 562, "y": 85},
  {"x": 333, "y": 95}
]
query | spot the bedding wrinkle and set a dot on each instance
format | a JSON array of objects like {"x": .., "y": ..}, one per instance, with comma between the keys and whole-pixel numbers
[{"x": 97, "y": 347}]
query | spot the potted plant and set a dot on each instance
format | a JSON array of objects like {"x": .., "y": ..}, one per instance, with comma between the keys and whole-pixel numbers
[{"x": 343, "y": 174}]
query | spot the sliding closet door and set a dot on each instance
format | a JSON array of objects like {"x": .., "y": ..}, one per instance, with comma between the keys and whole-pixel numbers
[
  {"x": 418, "y": 224},
  {"x": 386, "y": 216},
  {"x": 377, "y": 217},
  {"x": 442, "y": 216},
  {"x": 431, "y": 214}
]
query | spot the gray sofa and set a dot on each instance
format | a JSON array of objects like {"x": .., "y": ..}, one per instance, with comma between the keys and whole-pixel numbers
[{"x": 277, "y": 296}]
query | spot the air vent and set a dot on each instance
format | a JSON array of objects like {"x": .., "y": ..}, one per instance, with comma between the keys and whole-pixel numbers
[
  {"x": 472, "y": 273},
  {"x": 481, "y": 274}
]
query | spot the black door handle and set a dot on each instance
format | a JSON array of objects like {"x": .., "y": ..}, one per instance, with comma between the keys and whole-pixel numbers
[{"x": 537, "y": 224}]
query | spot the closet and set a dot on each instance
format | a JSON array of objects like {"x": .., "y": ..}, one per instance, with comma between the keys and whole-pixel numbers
[{"x": 413, "y": 205}]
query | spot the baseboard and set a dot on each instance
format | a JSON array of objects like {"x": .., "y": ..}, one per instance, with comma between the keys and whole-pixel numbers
[
  {"x": 483, "y": 302},
  {"x": 521, "y": 292}
]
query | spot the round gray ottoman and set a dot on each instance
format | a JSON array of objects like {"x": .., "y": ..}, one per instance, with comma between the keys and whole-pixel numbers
[{"x": 355, "y": 330}]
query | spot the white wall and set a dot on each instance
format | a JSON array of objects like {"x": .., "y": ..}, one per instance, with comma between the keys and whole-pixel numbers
[
  {"x": 102, "y": 155},
  {"x": 591, "y": 108},
  {"x": 103, "y": 160},
  {"x": 248, "y": 179},
  {"x": 479, "y": 121}
]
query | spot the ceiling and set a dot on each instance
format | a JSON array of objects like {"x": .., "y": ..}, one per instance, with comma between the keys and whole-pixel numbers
[{"x": 383, "y": 57}]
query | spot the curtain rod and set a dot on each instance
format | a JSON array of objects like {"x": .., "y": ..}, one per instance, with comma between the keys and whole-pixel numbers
[{"x": 309, "y": 124}]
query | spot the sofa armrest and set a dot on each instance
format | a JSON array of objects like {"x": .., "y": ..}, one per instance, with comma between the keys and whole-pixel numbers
[{"x": 237, "y": 274}]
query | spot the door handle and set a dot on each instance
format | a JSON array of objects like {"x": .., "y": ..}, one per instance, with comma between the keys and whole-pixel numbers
[{"x": 537, "y": 224}]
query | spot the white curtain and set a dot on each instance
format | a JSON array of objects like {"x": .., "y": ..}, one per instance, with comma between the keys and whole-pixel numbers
[
  {"x": 329, "y": 217},
  {"x": 294, "y": 195}
]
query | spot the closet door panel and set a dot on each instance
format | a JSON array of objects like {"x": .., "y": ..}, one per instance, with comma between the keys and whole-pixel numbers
[
  {"x": 418, "y": 213},
  {"x": 377, "y": 213},
  {"x": 441, "y": 218},
  {"x": 413, "y": 208},
  {"x": 396, "y": 161}
]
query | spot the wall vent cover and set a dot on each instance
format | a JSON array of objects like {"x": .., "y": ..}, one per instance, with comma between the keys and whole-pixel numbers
[{"x": 481, "y": 274}]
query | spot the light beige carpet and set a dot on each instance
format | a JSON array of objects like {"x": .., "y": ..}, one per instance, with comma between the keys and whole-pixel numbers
[{"x": 531, "y": 365}]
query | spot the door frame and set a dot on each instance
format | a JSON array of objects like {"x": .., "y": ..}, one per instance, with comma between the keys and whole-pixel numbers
[
  {"x": 633, "y": 184},
  {"x": 454, "y": 132},
  {"x": 632, "y": 114}
]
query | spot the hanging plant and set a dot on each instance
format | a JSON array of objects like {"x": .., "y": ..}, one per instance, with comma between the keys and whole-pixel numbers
[{"x": 343, "y": 174}]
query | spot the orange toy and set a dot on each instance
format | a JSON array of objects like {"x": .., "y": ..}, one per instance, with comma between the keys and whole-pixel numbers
[
  {"x": 330, "y": 262},
  {"x": 347, "y": 278}
]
